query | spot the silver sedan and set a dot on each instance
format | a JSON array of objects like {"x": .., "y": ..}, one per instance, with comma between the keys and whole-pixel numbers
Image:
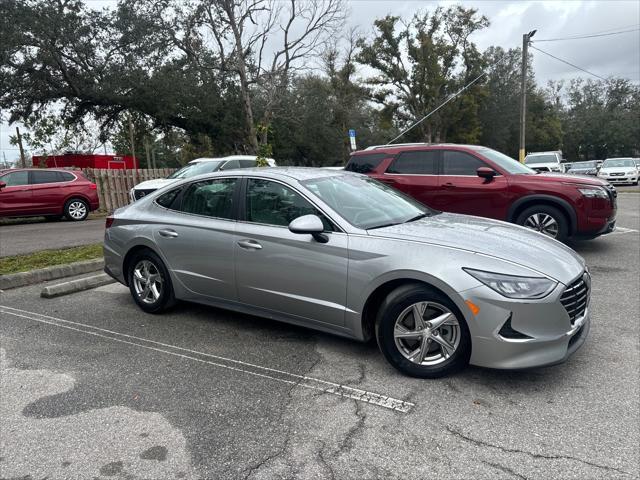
[{"x": 342, "y": 253}]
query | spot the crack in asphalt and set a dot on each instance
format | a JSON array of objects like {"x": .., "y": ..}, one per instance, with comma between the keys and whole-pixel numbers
[
  {"x": 505, "y": 469},
  {"x": 323, "y": 461},
  {"x": 482, "y": 443},
  {"x": 347, "y": 443},
  {"x": 285, "y": 445}
]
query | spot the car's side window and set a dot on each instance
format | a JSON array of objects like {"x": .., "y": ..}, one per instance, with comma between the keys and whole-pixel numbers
[
  {"x": 460, "y": 163},
  {"x": 45, "y": 176},
  {"x": 65, "y": 176},
  {"x": 211, "y": 198},
  {"x": 415, "y": 163},
  {"x": 168, "y": 199},
  {"x": 16, "y": 178},
  {"x": 248, "y": 163},
  {"x": 365, "y": 163},
  {"x": 272, "y": 203},
  {"x": 230, "y": 165}
]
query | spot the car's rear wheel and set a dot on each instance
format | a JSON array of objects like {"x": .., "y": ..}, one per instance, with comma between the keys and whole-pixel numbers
[
  {"x": 150, "y": 283},
  {"x": 422, "y": 333},
  {"x": 76, "y": 209},
  {"x": 545, "y": 219}
]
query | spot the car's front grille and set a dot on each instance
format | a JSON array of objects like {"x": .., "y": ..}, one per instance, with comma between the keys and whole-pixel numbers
[
  {"x": 576, "y": 297},
  {"x": 138, "y": 194},
  {"x": 616, "y": 174}
]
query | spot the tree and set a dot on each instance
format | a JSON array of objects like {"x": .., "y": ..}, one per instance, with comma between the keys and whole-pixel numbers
[{"x": 421, "y": 63}]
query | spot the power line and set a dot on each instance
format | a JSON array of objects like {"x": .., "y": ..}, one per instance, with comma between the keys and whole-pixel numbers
[
  {"x": 578, "y": 37},
  {"x": 568, "y": 63}
]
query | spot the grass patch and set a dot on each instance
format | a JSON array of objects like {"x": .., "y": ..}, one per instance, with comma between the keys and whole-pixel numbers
[{"x": 48, "y": 258}]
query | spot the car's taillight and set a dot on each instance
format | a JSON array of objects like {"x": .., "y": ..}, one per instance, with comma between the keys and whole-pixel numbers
[
  {"x": 93, "y": 186},
  {"x": 108, "y": 222}
]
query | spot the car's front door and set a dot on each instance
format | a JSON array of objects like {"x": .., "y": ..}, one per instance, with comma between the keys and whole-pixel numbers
[
  {"x": 461, "y": 190},
  {"x": 284, "y": 272},
  {"x": 196, "y": 236},
  {"x": 15, "y": 197}
]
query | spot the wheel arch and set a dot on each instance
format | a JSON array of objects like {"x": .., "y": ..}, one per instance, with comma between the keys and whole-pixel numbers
[
  {"x": 73, "y": 196},
  {"x": 126, "y": 261},
  {"x": 385, "y": 287},
  {"x": 530, "y": 200}
]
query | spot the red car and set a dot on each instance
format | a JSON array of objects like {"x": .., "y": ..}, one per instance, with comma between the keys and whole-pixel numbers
[
  {"x": 476, "y": 180},
  {"x": 52, "y": 193}
]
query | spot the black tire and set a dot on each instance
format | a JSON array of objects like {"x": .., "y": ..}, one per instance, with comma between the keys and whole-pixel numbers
[
  {"x": 166, "y": 298},
  {"x": 391, "y": 310},
  {"x": 76, "y": 209},
  {"x": 559, "y": 217}
]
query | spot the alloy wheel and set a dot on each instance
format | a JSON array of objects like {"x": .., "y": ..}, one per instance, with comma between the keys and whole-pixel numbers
[
  {"x": 77, "y": 210},
  {"x": 427, "y": 333},
  {"x": 147, "y": 281},
  {"x": 543, "y": 223}
]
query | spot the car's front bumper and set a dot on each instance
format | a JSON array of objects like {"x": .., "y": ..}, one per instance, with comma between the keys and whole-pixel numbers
[
  {"x": 548, "y": 335},
  {"x": 617, "y": 180}
]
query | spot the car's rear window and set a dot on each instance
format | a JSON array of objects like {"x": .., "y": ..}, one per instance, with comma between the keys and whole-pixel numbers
[{"x": 365, "y": 163}]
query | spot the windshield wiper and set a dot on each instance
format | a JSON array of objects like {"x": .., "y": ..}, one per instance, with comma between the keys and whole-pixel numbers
[
  {"x": 418, "y": 217},
  {"x": 382, "y": 226}
]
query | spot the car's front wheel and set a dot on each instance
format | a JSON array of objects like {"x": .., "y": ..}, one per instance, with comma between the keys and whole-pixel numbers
[
  {"x": 76, "y": 210},
  {"x": 149, "y": 282},
  {"x": 545, "y": 219},
  {"x": 422, "y": 333}
]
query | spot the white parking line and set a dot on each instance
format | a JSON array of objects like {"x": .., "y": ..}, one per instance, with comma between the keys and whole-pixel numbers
[
  {"x": 623, "y": 230},
  {"x": 222, "y": 362}
]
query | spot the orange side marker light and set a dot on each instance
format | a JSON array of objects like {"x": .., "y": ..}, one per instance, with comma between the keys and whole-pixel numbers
[{"x": 473, "y": 307}]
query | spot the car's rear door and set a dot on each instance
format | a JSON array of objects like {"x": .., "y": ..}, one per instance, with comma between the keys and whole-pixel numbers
[
  {"x": 461, "y": 190},
  {"x": 415, "y": 173},
  {"x": 280, "y": 271},
  {"x": 195, "y": 233},
  {"x": 15, "y": 197},
  {"x": 47, "y": 193}
]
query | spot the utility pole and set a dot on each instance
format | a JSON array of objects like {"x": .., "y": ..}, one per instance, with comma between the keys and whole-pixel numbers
[
  {"x": 23, "y": 162},
  {"x": 526, "y": 38},
  {"x": 133, "y": 147}
]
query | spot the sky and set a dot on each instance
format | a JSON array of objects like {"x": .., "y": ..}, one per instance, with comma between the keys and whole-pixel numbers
[{"x": 611, "y": 55}]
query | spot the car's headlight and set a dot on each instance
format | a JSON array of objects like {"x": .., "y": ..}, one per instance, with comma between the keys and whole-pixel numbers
[
  {"x": 512, "y": 286},
  {"x": 630, "y": 173},
  {"x": 594, "y": 192},
  {"x": 602, "y": 174}
]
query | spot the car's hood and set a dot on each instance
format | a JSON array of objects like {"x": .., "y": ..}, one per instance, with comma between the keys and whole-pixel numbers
[
  {"x": 154, "y": 184},
  {"x": 494, "y": 238},
  {"x": 617, "y": 169},
  {"x": 567, "y": 178}
]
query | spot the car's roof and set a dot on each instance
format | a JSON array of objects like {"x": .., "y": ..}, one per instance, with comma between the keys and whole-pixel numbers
[
  {"x": 7, "y": 170},
  {"x": 296, "y": 173},
  {"x": 227, "y": 158},
  {"x": 414, "y": 146}
]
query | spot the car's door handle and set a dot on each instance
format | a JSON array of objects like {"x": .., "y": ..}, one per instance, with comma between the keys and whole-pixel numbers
[
  {"x": 167, "y": 232},
  {"x": 449, "y": 185},
  {"x": 249, "y": 245}
]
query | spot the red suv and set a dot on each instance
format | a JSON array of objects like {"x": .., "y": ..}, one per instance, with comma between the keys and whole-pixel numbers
[
  {"x": 476, "y": 180},
  {"x": 51, "y": 193}
]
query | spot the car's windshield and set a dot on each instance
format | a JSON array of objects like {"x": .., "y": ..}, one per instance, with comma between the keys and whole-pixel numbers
[
  {"x": 194, "y": 169},
  {"x": 504, "y": 161},
  {"x": 533, "y": 159},
  {"x": 584, "y": 165},
  {"x": 366, "y": 203},
  {"x": 618, "y": 162}
]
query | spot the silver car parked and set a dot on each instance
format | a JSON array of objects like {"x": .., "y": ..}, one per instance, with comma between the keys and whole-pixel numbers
[{"x": 342, "y": 253}]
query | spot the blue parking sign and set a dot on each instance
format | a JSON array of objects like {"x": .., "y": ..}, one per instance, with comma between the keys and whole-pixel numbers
[{"x": 352, "y": 133}]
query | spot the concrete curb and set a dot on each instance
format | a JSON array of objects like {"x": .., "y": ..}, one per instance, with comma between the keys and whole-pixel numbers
[
  {"x": 76, "y": 285},
  {"x": 15, "y": 280}
]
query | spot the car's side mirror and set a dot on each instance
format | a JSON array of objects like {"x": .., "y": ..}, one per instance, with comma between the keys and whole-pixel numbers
[
  {"x": 486, "y": 173},
  {"x": 2, "y": 185},
  {"x": 310, "y": 225}
]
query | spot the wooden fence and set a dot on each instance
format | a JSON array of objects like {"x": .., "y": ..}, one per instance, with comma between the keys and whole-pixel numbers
[{"x": 114, "y": 185}]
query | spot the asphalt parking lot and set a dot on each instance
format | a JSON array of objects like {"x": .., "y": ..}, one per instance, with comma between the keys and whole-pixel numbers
[{"x": 92, "y": 387}]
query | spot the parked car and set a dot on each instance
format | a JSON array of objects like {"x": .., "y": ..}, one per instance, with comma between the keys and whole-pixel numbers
[
  {"x": 480, "y": 181},
  {"x": 545, "y": 161},
  {"x": 584, "y": 168},
  {"x": 345, "y": 254},
  {"x": 620, "y": 170},
  {"x": 28, "y": 192},
  {"x": 197, "y": 167}
]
